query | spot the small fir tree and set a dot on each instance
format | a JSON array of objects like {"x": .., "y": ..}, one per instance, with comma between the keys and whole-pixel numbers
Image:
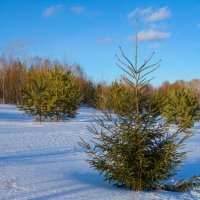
[
  {"x": 137, "y": 150},
  {"x": 35, "y": 96},
  {"x": 64, "y": 95},
  {"x": 51, "y": 94},
  {"x": 181, "y": 107}
]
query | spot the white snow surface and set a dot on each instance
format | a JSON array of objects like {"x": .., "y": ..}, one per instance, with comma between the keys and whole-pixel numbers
[{"x": 44, "y": 161}]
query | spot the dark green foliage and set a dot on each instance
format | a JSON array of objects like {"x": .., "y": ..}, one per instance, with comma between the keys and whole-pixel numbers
[
  {"x": 183, "y": 186},
  {"x": 135, "y": 156},
  {"x": 136, "y": 150},
  {"x": 181, "y": 107}
]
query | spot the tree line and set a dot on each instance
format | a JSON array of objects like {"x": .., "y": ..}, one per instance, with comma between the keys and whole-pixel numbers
[{"x": 16, "y": 76}]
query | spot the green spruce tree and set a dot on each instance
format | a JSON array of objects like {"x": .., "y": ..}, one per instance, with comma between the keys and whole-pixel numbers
[
  {"x": 35, "y": 96},
  {"x": 181, "y": 107},
  {"x": 137, "y": 150},
  {"x": 64, "y": 94}
]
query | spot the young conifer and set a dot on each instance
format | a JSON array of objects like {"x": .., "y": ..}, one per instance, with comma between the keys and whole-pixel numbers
[
  {"x": 64, "y": 94},
  {"x": 137, "y": 150},
  {"x": 35, "y": 96},
  {"x": 51, "y": 94},
  {"x": 181, "y": 107}
]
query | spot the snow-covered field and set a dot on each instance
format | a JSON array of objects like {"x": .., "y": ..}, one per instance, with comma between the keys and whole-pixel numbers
[{"x": 45, "y": 162}]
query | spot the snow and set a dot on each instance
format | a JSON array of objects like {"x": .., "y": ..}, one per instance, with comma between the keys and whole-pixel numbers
[{"x": 44, "y": 161}]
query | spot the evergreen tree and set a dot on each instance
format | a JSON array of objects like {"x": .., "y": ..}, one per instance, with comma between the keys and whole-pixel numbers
[
  {"x": 64, "y": 95},
  {"x": 119, "y": 98},
  {"x": 137, "y": 150},
  {"x": 181, "y": 107},
  {"x": 89, "y": 93},
  {"x": 35, "y": 96},
  {"x": 99, "y": 100},
  {"x": 50, "y": 94}
]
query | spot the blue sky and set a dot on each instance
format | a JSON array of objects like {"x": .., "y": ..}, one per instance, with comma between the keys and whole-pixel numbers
[{"x": 89, "y": 32}]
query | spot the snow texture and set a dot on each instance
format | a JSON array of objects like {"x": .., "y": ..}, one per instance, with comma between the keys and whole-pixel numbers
[{"x": 44, "y": 161}]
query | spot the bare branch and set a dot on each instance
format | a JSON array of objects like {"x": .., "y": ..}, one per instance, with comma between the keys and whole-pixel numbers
[
  {"x": 141, "y": 81},
  {"x": 132, "y": 75},
  {"x": 149, "y": 72},
  {"x": 150, "y": 66},
  {"x": 130, "y": 68},
  {"x": 146, "y": 61},
  {"x": 147, "y": 81},
  {"x": 128, "y": 60}
]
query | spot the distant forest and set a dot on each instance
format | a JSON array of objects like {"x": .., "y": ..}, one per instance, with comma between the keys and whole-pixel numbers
[{"x": 14, "y": 72}]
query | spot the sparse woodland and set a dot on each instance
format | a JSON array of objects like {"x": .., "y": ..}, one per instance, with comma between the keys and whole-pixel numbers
[
  {"x": 99, "y": 100},
  {"x": 16, "y": 75},
  {"x": 135, "y": 149}
]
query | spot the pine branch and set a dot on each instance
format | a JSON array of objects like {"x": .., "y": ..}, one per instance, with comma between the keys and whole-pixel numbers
[{"x": 183, "y": 186}]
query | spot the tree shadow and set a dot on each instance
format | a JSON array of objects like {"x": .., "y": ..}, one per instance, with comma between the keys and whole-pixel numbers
[
  {"x": 11, "y": 113},
  {"x": 92, "y": 179}
]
